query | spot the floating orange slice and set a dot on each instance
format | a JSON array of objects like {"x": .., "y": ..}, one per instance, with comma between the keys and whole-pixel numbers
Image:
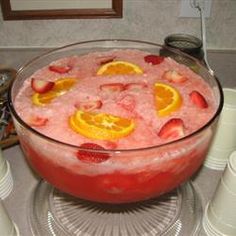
[
  {"x": 167, "y": 99},
  {"x": 100, "y": 126},
  {"x": 61, "y": 86},
  {"x": 42, "y": 99},
  {"x": 119, "y": 68}
]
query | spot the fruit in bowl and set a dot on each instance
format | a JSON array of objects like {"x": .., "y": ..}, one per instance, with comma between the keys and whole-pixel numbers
[{"x": 112, "y": 120}]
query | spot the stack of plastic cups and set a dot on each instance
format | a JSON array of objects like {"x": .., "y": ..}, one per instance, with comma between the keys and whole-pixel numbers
[
  {"x": 6, "y": 180},
  {"x": 220, "y": 213},
  {"x": 224, "y": 142},
  {"x": 7, "y": 226}
]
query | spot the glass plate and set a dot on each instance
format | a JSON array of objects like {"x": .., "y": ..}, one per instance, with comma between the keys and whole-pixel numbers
[{"x": 52, "y": 212}]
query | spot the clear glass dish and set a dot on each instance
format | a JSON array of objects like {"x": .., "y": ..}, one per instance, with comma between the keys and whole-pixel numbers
[
  {"x": 122, "y": 183},
  {"x": 52, "y": 212}
]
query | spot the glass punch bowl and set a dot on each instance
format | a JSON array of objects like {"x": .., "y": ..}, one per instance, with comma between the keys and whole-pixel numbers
[{"x": 129, "y": 175}]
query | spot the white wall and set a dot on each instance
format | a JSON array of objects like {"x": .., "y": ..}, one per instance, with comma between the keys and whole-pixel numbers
[{"x": 150, "y": 20}]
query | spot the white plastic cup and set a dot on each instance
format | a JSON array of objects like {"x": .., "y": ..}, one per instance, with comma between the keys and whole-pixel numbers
[
  {"x": 7, "y": 226},
  {"x": 6, "y": 180},
  {"x": 224, "y": 141},
  {"x": 220, "y": 213},
  {"x": 3, "y": 166}
]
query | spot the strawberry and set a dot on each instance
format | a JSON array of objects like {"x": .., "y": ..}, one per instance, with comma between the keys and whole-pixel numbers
[
  {"x": 41, "y": 86},
  {"x": 174, "y": 76},
  {"x": 174, "y": 129},
  {"x": 135, "y": 86},
  {"x": 37, "y": 121},
  {"x": 60, "y": 69},
  {"x": 90, "y": 156},
  {"x": 89, "y": 105},
  {"x": 127, "y": 102},
  {"x": 110, "y": 145},
  {"x": 105, "y": 59},
  {"x": 112, "y": 87},
  {"x": 153, "y": 59},
  {"x": 198, "y": 99}
]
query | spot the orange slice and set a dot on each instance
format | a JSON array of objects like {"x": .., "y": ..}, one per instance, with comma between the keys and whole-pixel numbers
[
  {"x": 119, "y": 68},
  {"x": 61, "y": 86},
  {"x": 42, "y": 99},
  {"x": 100, "y": 126},
  {"x": 167, "y": 99}
]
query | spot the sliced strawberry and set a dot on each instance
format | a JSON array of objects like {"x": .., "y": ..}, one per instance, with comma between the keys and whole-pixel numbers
[
  {"x": 89, "y": 105},
  {"x": 110, "y": 145},
  {"x": 153, "y": 59},
  {"x": 112, "y": 87},
  {"x": 37, "y": 121},
  {"x": 127, "y": 102},
  {"x": 136, "y": 86},
  {"x": 60, "y": 69},
  {"x": 174, "y": 76},
  {"x": 105, "y": 59},
  {"x": 198, "y": 99},
  {"x": 41, "y": 86},
  {"x": 172, "y": 129},
  {"x": 91, "y": 156}
]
